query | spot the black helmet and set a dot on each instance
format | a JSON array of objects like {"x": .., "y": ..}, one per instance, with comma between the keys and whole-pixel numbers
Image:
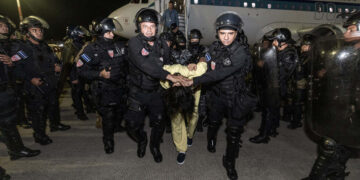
[
  {"x": 106, "y": 25},
  {"x": 33, "y": 21},
  {"x": 282, "y": 35},
  {"x": 353, "y": 20},
  {"x": 229, "y": 19},
  {"x": 166, "y": 36},
  {"x": 77, "y": 32},
  {"x": 11, "y": 26},
  {"x": 173, "y": 26},
  {"x": 180, "y": 39},
  {"x": 146, "y": 15},
  {"x": 195, "y": 34},
  {"x": 308, "y": 39}
]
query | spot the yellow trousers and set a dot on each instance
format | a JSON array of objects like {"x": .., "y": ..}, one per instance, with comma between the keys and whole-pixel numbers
[{"x": 180, "y": 132}]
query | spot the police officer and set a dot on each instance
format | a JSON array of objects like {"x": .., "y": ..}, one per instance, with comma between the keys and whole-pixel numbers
[
  {"x": 301, "y": 75},
  {"x": 146, "y": 57},
  {"x": 229, "y": 62},
  {"x": 280, "y": 82},
  {"x": 197, "y": 51},
  {"x": 105, "y": 65},
  {"x": 8, "y": 116},
  {"x": 76, "y": 38},
  {"x": 42, "y": 71},
  {"x": 288, "y": 59},
  {"x": 180, "y": 55},
  {"x": 333, "y": 111}
]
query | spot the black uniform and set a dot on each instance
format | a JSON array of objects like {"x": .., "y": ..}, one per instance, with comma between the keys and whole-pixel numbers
[
  {"x": 71, "y": 49},
  {"x": 228, "y": 67},
  {"x": 109, "y": 93},
  {"x": 145, "y": 71},
  {"x": 9, "y": 104},
  {"x": 301, "y": 75},
  {"x": 43, "y": 100},
  {"x": 288, "y": 60}
]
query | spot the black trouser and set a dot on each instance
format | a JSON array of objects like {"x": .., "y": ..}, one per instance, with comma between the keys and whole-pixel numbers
[
  {"x": 111, "y": 118},
  {"x": 77, "y": 91},
  {"x": 220, "y": 107},
  {"x": 8, "y": 121},
  {"x": 141, "y": 104},
  {"x": 300, "y": 97},
  {"x": 20, "y": 95},
  {"x": 42, "y": 106},
  {"x": 270, "y": 106}
]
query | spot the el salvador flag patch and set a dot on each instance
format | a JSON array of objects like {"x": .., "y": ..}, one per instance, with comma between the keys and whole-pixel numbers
[
  {"x": 208, "y": 57},
  {"x": 85, "y": 57},
  {"x": 22, "y": 54}
]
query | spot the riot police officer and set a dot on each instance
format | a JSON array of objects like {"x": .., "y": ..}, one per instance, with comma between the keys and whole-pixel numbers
[
  {"x": 333, "y": 106},
  {"x": 105, "y": 65},
  {"x": 280, "y": 70},
  {"x": 229, "y": 62},
  {"x": 197, "y": 51},
  {"x": 76, "y": 39},
  {"x": 179, "y": 53},
  {"x": 300, "y": 77},
  {"x": 41, "y": 85},
  {"x": 146, "y": 57},
  {"x": 287, "y": 58},
  {"x": 8, "y": 116}
]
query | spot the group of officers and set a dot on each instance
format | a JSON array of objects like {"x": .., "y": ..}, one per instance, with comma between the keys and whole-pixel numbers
[{"x": 124, "y": 82}]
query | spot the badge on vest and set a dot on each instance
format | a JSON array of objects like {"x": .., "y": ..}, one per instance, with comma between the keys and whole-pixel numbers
[
  {"x": 79, "y": 63},
  {"x": 213, "y": 65},
  {"x": 144, "y": 52},
  {"x": 19, "y": 55},
  {"x": 111, "y": 53},
  {"x": 227, "y": 62}
]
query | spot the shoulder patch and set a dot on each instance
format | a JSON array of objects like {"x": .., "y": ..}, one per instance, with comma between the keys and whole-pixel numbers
[
  {"x": 85, "y": 57},
  {"x": 19, "y": 55},
  {"x": 208, "y": 57}
]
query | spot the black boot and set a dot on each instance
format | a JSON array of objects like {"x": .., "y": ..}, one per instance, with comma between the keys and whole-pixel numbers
[
  {"x": 42, "y": 139},
  {"x": 82, "y": 116},
  {"x": 59, "y": 127},
  {"x": 230, "y": 168},
  {"x": 139, "y": 136},
  {"x": 232, "y": 151},
  {"x": 261, "y": 138},
  {"x": 15, "y": 145},
  {"x": 108, "y": 145},
  {"x": 211, "y": 137},
  {"x": 331, "y": 162},
  {"x": 156, "y": 135},
  {"x": 3, "y": 175}
]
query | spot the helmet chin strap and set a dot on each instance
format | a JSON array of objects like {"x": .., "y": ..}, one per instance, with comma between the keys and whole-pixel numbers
[
  {"x": 34, "y": 38},
  {"x": 152, "y": 38}
]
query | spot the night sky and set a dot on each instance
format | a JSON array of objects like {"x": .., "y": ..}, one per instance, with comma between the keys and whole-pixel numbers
[{"x": 61, "y": 13}]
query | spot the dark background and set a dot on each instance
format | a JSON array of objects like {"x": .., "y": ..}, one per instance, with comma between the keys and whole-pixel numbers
[{"x": 61, "y": 13}]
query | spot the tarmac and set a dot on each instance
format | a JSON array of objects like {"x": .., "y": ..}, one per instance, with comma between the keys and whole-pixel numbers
[{"x": 78, "y": 154}]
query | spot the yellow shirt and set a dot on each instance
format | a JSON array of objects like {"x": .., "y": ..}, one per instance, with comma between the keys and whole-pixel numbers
[{"x": 201, "y": 68}]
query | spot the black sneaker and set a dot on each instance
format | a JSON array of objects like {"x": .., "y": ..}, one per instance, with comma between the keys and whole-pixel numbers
[
  {"x": 189, "y": 142},
  {"x": 180, "y": 158}
]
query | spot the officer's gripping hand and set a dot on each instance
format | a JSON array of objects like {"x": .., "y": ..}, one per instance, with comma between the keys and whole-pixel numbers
[
  {"x": 187, "y": 82},
  {"x": 5, "y": 59},
  {"x": 105, "y": 74},
  {"x": 36, "y": 81}
]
